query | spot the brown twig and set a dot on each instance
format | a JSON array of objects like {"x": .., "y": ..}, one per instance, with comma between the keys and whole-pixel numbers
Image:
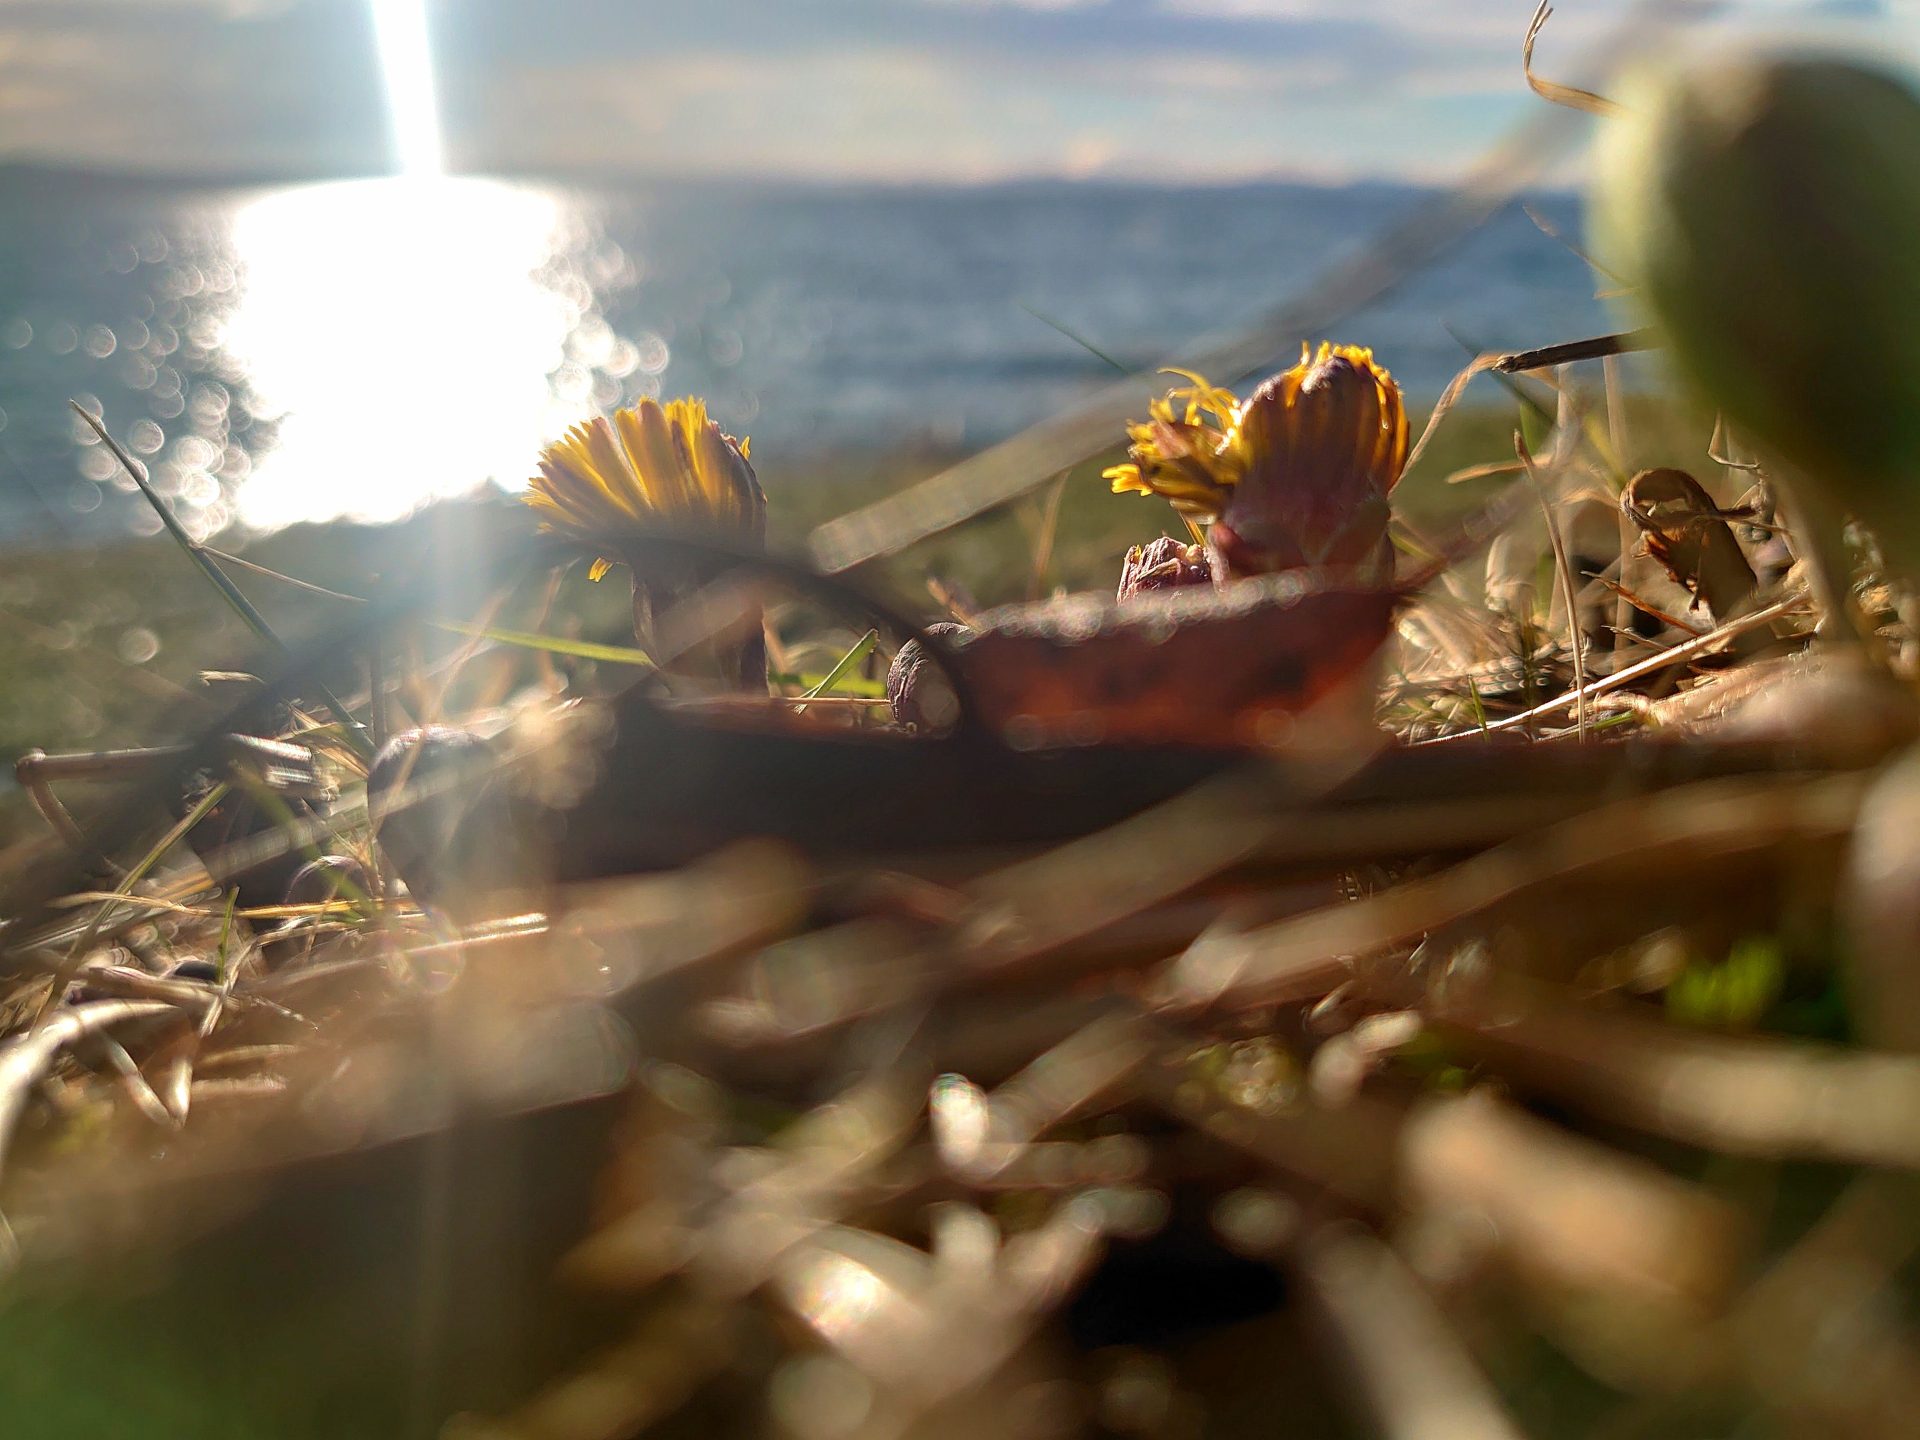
[{"x": 1549, "y": 357}]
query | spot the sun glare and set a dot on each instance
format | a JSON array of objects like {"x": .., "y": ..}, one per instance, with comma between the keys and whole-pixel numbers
[
  {"x": 406, "y": 68},
  {"x": 398, "y": 333}
]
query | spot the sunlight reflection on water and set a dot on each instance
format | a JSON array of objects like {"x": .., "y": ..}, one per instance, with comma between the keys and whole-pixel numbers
[
  {"x": 402, "y": 333},
  {"x": 364, "y": 347}
]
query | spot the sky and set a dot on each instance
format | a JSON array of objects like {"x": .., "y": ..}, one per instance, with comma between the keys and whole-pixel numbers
[{"x": 882, "y": 90}]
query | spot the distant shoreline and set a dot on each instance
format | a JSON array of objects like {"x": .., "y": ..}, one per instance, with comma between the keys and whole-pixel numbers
[{"x": 45, "y": 174}]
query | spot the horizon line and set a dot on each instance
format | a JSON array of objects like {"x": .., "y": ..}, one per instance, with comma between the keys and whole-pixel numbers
[{"x": 243, "y": 177}]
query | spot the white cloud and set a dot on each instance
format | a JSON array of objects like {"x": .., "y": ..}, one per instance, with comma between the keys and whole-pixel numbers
[
  {"x": 867, "y": 88},
  {"x": 1013, "y": 4}
]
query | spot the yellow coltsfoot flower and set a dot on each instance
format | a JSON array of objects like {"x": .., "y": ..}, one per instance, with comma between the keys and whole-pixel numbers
[
  {"x": 1296, "y": 475},
  {"x": 650, "y": 466},
  {"x": 660, "y": 467}
]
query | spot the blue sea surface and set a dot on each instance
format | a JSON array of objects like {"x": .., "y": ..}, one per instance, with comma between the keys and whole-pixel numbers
[{"x": 358, "y": 348}]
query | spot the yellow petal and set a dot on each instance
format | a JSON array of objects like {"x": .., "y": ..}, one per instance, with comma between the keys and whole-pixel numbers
[
  {"x": 648, "y": 463},
  {"x": 648, "y": 436},
  {"x": 623, "y": 489},
  {"x": 727, "y": 480}
]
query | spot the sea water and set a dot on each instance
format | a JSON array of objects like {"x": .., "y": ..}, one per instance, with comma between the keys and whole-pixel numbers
[{"x": 358, "y": 348}]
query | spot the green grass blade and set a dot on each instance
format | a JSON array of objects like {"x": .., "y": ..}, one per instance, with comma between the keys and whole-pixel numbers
[
  {"x": 862, "y": 648},
  {"x": 855, "y": 685},
  {"x": 1074, "y": 335},
  {"x": 533, "y": 640},
  {"x": 230, "y": 592}
]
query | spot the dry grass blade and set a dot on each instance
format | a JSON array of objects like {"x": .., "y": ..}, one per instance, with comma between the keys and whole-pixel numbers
[
  {"x": 1302, "y": 958},
  {"x": 616, "y": 935},
  {"x": 1563, "y": 1212},
  {"x": 1043, "y": 543},
  {"x": 1077, "y": 888},
  {"x": 1014, "y": 920},
  {"x": 1404, "y": 1361},
  {"x": 1686, "y": 650},
  {"x": 627, "y": 1388},
  {"x": 1350, "y": 1153},
  {"x": 1571, "y": 96},
  {"x": 1563, "y": 569},
  {"x": 928, "y": 1329},
  {"x": 826, "y": 1163},
  {"x": 1822, "y": 1335},
  {"x": 126, "y": 905},
  {"x": 1739, "y": 1095},
  {"x": 1553, "y": 232},
  {"x": 1450, "y": 397},
  {"x": 25, "y": 1057},
  {"x": 979, "y": 1135},
  {"x": 229, "y": 592},
  {"x": 1571, "y": 1214}
]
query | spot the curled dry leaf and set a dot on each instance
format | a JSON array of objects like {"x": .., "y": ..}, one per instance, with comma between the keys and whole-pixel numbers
[
  {"x": 1683, "y": 529},
  {"x": 1234, "y": 668}
]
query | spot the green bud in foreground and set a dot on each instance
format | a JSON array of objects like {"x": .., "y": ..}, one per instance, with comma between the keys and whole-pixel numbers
[{"x": 1767, "y": 210}]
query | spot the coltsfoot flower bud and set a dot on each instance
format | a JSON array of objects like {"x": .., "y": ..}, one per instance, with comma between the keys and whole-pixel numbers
[
  {"x": 1766, "y": 210},
  {"x": 917, "y": 691},
  {"x": 1165, "y": 564}
]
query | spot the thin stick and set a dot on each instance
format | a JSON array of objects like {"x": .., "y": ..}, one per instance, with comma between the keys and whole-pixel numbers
[
  {"x": 1599, "y": 347},
  {"x": 1685, "y": 650},
  {"x": 28, "y": 771}
]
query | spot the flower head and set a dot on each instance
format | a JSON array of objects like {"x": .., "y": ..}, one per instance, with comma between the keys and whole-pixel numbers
[
  {"x": 1183, "y": 453},
  {"x": 1297, "y": 474},
  {"x": 649, "y": 465}
]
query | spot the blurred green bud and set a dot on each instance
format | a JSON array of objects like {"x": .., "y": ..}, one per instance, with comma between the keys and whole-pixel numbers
[{"x": 1767, "y": 211}]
